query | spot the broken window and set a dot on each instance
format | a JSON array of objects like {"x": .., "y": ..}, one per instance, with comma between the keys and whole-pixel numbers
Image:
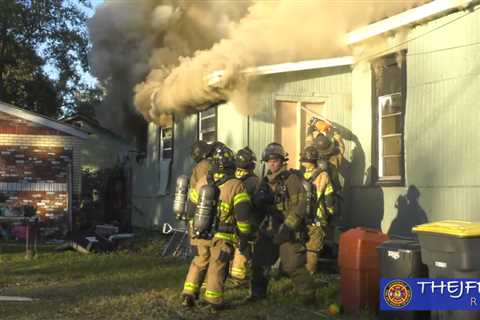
[
  {"x": 389, "y": 113},
  {"x": 207, "y": 124}
]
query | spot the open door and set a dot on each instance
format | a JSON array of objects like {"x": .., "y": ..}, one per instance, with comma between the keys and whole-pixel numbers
[
  {"x": 291, "y": 127},
  {"x": 286, "y": 130}
]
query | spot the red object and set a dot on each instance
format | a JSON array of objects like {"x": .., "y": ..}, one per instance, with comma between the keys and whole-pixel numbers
[{"x": 360, "y": 269}]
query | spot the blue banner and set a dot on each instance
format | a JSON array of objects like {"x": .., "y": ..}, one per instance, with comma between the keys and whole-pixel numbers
[{"x": 404, "y": 294}]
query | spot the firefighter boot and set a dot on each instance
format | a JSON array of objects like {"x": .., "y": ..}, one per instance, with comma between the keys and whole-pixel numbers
[{"x": 188, "y": 301}]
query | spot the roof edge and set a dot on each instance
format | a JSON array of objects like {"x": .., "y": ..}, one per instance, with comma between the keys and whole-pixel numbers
[
  {"x": 429, "y": 10},
  {"x": 214, "y": 78},
  {"x": 41, "y": 119}
]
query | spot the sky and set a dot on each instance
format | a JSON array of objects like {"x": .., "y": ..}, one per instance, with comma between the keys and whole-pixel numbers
[{"x": 86, "y": 77}]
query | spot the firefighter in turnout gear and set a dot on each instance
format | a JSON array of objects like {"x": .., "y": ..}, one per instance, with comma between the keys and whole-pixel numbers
[
  {"x": 201, "y": 152},
  {"x": 221, "y": 220},
  {"x": 322, "y": 127},
  {"x": 245, "y": 164},
  {"x": 320, "y": 200},
  {"x": 281, "y": 199}
]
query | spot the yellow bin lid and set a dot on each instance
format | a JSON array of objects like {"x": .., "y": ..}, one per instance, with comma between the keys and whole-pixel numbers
[{"x": 457, "y": 228}]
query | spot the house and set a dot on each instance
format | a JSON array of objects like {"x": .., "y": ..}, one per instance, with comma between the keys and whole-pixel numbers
[
  {"x": 406, "y": 106},
  {"x": 104, "y": 149},
  {"x": 39, "y": 162}
]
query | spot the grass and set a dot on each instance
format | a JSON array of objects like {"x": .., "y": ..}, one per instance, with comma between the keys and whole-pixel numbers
[{"x": 135, "y": 284}]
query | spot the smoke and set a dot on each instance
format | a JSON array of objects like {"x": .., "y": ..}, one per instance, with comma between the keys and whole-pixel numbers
[
  {"x": 172, "y": 47},
  {"x": 131, "y": 39}
]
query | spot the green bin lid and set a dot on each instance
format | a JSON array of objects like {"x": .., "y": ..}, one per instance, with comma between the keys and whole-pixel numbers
[{"x": 457, "y": 228}]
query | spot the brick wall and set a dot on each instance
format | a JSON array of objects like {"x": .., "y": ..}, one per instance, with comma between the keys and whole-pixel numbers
[
  {"x": 33, "y": 171},
  {"x": 29, "y": 164},
  {"x": 49, "y": 141},
  {"x": 14, "y": 125},
  {"x": 46, "y": 203}
]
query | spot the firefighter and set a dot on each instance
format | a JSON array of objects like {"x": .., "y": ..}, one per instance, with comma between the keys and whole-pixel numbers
[
  {"x": 317, "y": 127},
  {"x": 200, "y": 153},
  {"x": 281, "y": 198},
  {"x": 320, "y": 200},
  {"x": 221, "y": 219},
  {"x": 245, "y": 164}
]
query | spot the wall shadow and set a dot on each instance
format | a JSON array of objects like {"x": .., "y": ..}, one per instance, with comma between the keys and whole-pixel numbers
[{"x": 409, "y": 214}]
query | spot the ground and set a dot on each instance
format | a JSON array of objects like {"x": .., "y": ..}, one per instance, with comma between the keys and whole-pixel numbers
[{"x": 133, "y": 284}]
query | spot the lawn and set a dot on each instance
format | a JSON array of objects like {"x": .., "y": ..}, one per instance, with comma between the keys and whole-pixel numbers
[{"x": 134, "y": 284}]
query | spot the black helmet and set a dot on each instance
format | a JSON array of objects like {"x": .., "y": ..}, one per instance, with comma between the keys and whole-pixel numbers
[
  {"x": 245, "y": 158},
  {"x": 214, "y": 145},
  {"x": 274, "y": 151},
  {"x": 324, "y": 145},
  {"x": 309, "y": 154},
  {"x": 200, "y": 150},
  {"x": 223, "y": 159}
]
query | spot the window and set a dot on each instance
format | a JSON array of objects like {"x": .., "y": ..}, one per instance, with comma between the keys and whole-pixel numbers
[
  {"x": 207, "y": 124},
  {"x": 389, "y": 112},
  {"x": 165, "y": 134}
]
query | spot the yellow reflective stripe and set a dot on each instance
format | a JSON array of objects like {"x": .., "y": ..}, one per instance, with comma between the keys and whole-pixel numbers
[
  {"x": 226, "y": 236},
  {"x": 218, "y": 176},
  {"x": 193, "y": 196},
  {"x": 291, "y": 221},
  {"x": 307, "y": 174},
  {"x": 240, "y": 197},
  {"x": 239, "y": 173},
  {"x": 244, "y": 227},
  {"x": 225, "y": 207},
  {"x": 238, "y": 273},
  {"x": 213, "y": 294},
  {"x": 329, "y": 189},
  {"x": 331, "y": 210},
  {"x": 190, "y": 287}
]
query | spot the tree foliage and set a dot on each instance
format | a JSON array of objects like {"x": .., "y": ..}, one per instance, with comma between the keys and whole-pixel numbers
[{"x": 39, "y": 33}]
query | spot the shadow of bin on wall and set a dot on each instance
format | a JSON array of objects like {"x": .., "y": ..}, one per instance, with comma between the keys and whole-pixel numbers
[{"x": 451, "y": 249}]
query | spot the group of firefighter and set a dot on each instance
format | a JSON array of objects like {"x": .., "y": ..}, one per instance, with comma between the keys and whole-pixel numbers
[{"x": 240, "y": 223}]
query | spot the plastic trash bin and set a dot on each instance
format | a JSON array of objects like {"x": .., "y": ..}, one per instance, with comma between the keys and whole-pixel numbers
[
  {"x": 450, "y": 249},
  {"x": 359, "y": 269},
  {"x": 402, "y": 259}
]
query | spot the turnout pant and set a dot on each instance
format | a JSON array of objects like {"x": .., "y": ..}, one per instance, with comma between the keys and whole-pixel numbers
[
  {"x": 211, "y": 261},
  {"x": 292, "y": 262},
  {"x": 316, "y": 237},
  {"x": 238, "y": 268}
]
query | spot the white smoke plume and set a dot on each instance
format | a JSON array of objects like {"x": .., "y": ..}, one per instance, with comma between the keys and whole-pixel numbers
[{"x": 174, "y": 45}]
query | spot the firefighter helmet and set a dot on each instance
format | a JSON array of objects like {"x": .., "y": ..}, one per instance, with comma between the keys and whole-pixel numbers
[
  {"x": 324, "y": 145},
  {"x": 320, "y": 124},
  {"x": 274, "y": 151},
  {"x": 200, "y": 150},
  {"x": 245, "y": 158},
  {"x": 309, "y": 154},
  {"x": 223, "y": 159}
]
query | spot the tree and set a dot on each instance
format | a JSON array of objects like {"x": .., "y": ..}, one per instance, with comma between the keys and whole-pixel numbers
[{"x": 34, "y": 34}]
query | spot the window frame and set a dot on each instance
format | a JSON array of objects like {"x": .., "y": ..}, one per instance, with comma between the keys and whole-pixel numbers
[
  {"x": 379, "y": 99},
  {"x": 161, "y": 141},
  {"x": 201, "y": 132}
]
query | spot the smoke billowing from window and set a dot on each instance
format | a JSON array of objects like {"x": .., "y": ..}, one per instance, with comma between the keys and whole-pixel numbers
[{"x": 156, "y": 55}]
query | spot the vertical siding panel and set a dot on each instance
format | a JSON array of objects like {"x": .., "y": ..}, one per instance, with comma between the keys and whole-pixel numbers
[{"x": 442, "y": 116}]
